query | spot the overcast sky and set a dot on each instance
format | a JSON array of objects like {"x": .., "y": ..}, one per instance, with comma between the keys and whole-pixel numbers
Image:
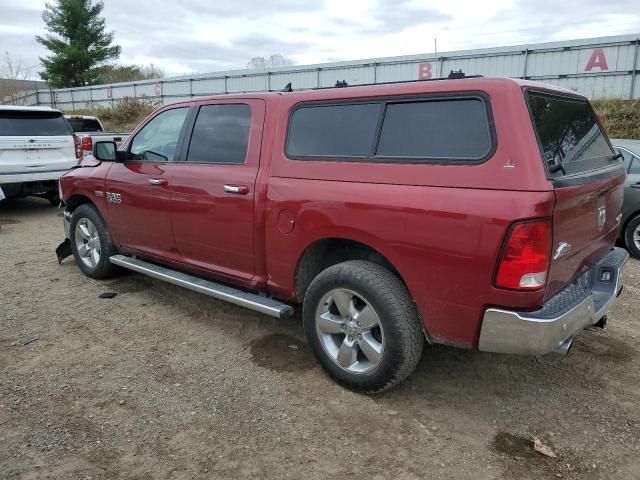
[{"x": 186, "y": 36}]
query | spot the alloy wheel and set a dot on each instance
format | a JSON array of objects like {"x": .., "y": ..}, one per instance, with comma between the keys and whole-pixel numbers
[
  {"x": 350, "y": 331},
  {"x": 87, "y": 242}
]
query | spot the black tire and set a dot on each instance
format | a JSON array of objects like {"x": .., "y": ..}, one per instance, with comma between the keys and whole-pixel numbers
[
  {"x": 403, "y": 336},
  {"x": 103, "y": 268},
  {"x": 632, "y": 226},
  {"x": 54, "y": 200}
]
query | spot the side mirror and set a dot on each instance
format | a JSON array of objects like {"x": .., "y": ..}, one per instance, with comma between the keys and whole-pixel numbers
[{"x": 107, "y": 152}]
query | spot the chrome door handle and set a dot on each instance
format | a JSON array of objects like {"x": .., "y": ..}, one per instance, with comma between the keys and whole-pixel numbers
[
  {"x": 239, "y": 189},
  {"x": 157, "y": 181}
]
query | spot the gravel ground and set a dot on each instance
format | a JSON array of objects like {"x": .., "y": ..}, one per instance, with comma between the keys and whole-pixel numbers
[{"x": 159, "y": 382}]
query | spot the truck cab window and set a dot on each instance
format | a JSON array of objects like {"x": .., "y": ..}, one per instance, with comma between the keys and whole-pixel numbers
[
  {"x": 158, "y": 139},
  {"x": 220, "y": 134}
]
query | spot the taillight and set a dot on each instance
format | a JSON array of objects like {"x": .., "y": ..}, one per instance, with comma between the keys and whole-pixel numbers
[
  {"x": 525, "y": 256},
  {"x": 78, "y": 146},
  {"x": 87, "y": 144}
]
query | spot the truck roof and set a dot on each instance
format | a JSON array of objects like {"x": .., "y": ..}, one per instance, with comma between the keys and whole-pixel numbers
[{"x": 396, "y": 88}]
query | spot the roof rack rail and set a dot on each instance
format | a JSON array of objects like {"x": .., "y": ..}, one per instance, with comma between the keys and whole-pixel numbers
[{"x": 453, "y": 75}]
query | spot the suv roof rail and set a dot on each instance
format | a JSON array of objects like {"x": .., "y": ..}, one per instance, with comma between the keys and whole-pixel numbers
[{"x": 453, "y": 75}]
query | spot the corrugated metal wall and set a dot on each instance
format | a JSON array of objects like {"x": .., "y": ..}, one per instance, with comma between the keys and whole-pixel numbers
[{"x": 597, "y": 68}]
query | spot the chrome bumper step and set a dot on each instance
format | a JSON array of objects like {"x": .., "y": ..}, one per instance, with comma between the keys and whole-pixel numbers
[
  {"x": 582, "y": 304},
  {"x": 265, "y": 305}
]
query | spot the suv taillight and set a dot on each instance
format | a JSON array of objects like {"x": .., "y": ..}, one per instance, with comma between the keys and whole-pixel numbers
[
  {"x": 525, "y": 256},
  {"x": 87, "y": 144},
  {"x": 78, "y": 146}
]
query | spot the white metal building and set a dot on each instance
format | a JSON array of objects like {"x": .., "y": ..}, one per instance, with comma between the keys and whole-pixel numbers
[{"x": 597, "y": 67}]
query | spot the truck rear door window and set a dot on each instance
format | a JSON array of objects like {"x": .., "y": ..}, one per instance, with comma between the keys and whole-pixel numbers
[
  {"x": 32, "y": 124},
  {"x": 570, "y": 138},
  {"x": 338, "y": 131},
  {"x": 437, "y": 130},
  {"x": 220, "y": 134},
  {"x": 85, "y": 125}
]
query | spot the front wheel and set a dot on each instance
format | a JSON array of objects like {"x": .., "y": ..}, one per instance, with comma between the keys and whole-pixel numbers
[
  {"x": 54, "y": 200},
  {"x": 91, "y": 243},
  {"x": 632, "y": 236},
  {"x": 362, "y": 326}
]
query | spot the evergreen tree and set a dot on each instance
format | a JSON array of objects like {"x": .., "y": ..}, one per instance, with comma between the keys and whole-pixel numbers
[{"x": 77, "y": 41}]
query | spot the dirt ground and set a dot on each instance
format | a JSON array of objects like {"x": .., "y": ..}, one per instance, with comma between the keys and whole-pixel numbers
[{"x": 160, "y": 382}]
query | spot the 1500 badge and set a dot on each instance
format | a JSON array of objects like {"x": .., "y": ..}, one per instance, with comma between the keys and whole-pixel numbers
[{"x": 114, "y": 197}]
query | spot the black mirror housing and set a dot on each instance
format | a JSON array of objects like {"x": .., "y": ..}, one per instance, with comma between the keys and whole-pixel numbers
[{"x": 107, "y": 152}]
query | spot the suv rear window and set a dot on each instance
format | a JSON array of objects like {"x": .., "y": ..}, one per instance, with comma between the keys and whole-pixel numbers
[
  {"x": 570, "y": 138},
  {"x": 438, "y": 130},
  {"x": 85, "y": 125},
  {"x": 32, "y": 124}
]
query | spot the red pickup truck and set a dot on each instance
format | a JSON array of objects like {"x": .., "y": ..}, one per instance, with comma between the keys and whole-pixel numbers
[{"x": 477, "y": 212}]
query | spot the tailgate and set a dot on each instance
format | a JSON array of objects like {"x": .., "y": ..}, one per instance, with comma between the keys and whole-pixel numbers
[
  {"x": 36, "y": 154},
  {"x": 35, "y": 141},
  {"x": 588, "y": 182},
  {"x": 585, "y": 221}
]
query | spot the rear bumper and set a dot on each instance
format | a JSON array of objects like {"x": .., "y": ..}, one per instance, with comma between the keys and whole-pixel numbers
[
  {"x": 31, "y": 177},
  {"x": 23, "y": 189},
  {"x": 578, "y": 306}
]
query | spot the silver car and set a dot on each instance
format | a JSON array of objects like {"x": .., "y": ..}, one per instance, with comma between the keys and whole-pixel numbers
[
  {"x": 630, "y": 231},
  {"x": 630, "y": 151}
]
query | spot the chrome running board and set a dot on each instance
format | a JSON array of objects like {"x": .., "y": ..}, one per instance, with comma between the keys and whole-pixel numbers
[{"x": 265, "y": 305}]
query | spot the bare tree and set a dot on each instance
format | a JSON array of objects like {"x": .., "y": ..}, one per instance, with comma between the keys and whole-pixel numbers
[
  {"x": 273, "y": 61},
  {"x": 152, "y": 71},
  {"x": 13, "y": 77},
  {"x": 128, "y": 73},
  {"x": 14, "y": 68}
]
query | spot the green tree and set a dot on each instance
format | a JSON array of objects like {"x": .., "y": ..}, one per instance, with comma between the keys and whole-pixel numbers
[{"x": 78, "y": 43}]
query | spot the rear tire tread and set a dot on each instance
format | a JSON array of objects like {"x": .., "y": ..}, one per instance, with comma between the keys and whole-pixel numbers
[
  {"x": 389, "y": 292},
  {"x": 633, "y": 224}
]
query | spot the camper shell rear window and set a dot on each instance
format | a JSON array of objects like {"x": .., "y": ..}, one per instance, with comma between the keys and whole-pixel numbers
[{"x": 570, "y": 137}]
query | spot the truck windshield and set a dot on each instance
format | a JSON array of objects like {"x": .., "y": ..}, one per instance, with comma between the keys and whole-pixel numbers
[
  {"x": 570, "y": 137},
  {"x": 20, "y": 123},
  {"x": 85, "y": 125}
]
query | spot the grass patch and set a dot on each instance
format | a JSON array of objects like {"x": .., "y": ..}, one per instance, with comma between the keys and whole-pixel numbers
[
  {"x": 621, "y": 118},
  {"x": 124, "y": 116}
]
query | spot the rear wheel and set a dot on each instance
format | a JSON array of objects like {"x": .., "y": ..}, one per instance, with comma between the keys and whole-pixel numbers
[
  {"x": 91, "y": 243},
  {"x": 632, "y": 236},
  {"x": 362, "y": 326}
]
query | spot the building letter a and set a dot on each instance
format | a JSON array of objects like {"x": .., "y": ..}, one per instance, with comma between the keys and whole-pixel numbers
[{"x": 597, "y": 60}]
